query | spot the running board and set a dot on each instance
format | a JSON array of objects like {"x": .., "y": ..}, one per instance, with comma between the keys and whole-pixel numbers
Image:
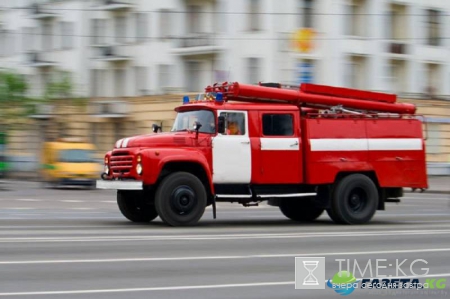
[
  {"x": 265, "y": 195},
  {"x": 233, "y": 195},
  {"x": 286, "y": 195}
]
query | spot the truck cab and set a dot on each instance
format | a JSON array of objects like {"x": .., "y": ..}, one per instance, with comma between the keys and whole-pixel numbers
[{"x": 251, "y": 151}]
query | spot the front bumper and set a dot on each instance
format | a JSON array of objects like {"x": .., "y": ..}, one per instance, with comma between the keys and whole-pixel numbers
[{"x": 120, "y": 185}]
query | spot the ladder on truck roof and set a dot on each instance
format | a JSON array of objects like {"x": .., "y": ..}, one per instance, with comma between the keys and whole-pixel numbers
[{"x": 314, "y": 96}]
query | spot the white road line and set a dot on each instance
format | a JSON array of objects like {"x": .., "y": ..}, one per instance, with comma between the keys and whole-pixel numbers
[
  {"x": 231, "y": 257},
  {"x": 71, "y": 200},
  {"x": 224, "y": 236},
  {"x": 177, "y": 288},
  {"x": 108, "y": 201},
  {"x": 174, "y": 288},
  {"x": 20, "y": 208},
  {"x": 28, "y": 199},
  {"x": 424, "y": 199}
]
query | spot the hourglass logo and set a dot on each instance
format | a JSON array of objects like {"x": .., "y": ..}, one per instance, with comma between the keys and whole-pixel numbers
[{"x": 310, "y": 273}]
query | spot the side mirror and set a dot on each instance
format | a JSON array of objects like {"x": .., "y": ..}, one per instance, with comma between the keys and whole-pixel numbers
[
  {"x": 197, "y": 126},
  {"x": 221, "y": 125},
  {"x": 155, "y": 128}
]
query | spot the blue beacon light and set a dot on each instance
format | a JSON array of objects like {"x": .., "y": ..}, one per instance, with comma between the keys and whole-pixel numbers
[
  {"x": 186, "y": 100},
  {"x": 219, "y": 97}
]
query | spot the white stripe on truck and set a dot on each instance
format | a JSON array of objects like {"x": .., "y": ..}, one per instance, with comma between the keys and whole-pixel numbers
[{"x": 366, "y": 144}]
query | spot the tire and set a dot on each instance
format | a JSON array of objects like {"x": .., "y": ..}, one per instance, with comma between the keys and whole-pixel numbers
[
  {"x": 300, "y": 209},
  {"x": 181, "y": 199},
  {"x": 133, "y": 207},
  {"x": 354, "y": 200}
]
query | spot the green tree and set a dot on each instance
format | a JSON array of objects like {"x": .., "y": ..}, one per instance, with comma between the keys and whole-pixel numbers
[{"x": 14, "y": 105}]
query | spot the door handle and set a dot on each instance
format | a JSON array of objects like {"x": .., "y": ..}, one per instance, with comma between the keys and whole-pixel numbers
[
  {"x": 296, "y": 143},
  {"x": 245, "y": 142}
]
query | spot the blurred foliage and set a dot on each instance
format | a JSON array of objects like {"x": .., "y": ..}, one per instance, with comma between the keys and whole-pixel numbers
[
  {"x": 14, "y": 104},
  {"x": 61, "y": 90}
]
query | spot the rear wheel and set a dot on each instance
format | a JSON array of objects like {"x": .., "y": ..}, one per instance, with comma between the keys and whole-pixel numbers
[
  {"x": 134, "y": 207},
  {"x": 300, "y": 209},
  {"x": 181, "y": 199},
  {"x": 354, "y": 200}
]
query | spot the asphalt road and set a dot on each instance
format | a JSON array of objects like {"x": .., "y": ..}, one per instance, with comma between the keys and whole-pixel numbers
[{"x": 76, "y": 244}]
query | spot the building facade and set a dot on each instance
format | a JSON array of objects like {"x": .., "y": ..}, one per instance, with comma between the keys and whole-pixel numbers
[
  {"x": 136, "y": 47},
  {"x": 115, "y": 51}
]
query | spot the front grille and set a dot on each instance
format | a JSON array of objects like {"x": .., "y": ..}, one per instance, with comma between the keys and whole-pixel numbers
[{"x": 121, "y": 162}]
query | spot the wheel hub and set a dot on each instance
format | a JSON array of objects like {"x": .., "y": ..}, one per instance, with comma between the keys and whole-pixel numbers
[
  {"x": 357, "y": 200},
  {"x": 183, "y": 200}
]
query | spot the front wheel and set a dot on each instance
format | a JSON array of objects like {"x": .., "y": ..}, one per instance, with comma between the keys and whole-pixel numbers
[
  {"x": 354, "y": 200},
  {"x": 134, "y": 206},
  {"x": 181, "y": 199}
]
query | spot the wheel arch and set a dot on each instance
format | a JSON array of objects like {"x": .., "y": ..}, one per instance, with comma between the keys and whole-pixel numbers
[{"x": 194, "y": 167}]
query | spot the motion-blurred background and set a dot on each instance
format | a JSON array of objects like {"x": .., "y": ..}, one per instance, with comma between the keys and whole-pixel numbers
[{"x": 99, "y": 70}]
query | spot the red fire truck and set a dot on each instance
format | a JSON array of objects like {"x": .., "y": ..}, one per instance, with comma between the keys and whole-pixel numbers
[{"x": 305, "y": 149}]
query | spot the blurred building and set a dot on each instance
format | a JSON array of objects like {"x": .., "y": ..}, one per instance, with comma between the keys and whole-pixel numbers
[{"x": 119, "y": 51}]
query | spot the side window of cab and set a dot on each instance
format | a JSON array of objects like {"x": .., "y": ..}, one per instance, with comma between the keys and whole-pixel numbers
[
  {"x": 234, "y": 123},
  {"x": 278, "y": 125}
]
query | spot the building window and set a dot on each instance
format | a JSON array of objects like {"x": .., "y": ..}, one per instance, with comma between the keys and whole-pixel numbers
[
  {"x": 434, "y": 24},
  {"x": 193, "y": 77},
  {"x": 98, "y": 31},
  {"x": 27, "y": 39},
  {"x": 306, "y": 8},
  {"x": 357, "y": 20},
  {"x": 399, "y": 22},
  {"x": 194, "y": 19},
  {"x": 165, "y": 23},
  {"x": 433, "y": 80},
  {"x": 253, "y": 66},
  {"x": 255, "y": 15},
  {"x": 278, "y": 125},
  {"x": 121, "y": 29},
  {"x": 164, "y": 75},
  {"x": 67, "y": 35},
  {"x": 356, "y": 72},
  {"x": 119, "y": 82},
  {"x": 141, "y": 80},
  {"x": 47, "y": 37},
  {"x": 141, "y": 27}
]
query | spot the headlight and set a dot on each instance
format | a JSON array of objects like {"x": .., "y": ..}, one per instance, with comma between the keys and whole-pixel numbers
[{"x": 139, "y": 169}]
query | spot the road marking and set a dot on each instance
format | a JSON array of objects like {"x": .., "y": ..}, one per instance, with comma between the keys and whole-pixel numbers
[
  {"x": 231, "y": 257},
  {"x": 177, "y": 288},
  {"x": 20, "y": 208},
  {"x": 28, "y": 199},
  {"x": 223, "y": 237},
  {"x": 108, "y": 201},
  {"x": 83, "y": 208},
  {"x": 425, "y": 199},
  {"x": 72, "y": 200},
  {"x": 173, "y": 288}
]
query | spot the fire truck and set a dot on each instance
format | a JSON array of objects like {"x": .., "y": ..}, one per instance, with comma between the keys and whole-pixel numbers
[{"x": 306, "y": 149}]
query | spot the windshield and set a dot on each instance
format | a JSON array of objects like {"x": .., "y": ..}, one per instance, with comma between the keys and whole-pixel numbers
[
  {"x": 76, "y": 156},
  {"x": 185, "y": 121}
]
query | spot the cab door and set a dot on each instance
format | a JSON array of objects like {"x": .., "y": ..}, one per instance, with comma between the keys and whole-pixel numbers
[
  {"x": 280, "y": 144},
  {"x": 232, "y": 153}
]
